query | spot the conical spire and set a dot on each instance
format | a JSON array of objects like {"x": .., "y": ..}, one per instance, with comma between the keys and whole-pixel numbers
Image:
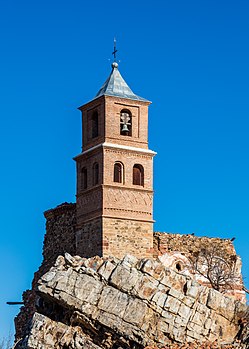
[{"x": 116, "y": 86}]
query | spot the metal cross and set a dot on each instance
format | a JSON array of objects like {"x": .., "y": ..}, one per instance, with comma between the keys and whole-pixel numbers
[{"x": 115, "y": 50}]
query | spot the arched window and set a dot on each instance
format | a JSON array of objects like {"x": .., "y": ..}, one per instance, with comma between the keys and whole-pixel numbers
[
  {"x": 83, "y": 178},
  {"x": 95, "y": 173},
  {"x": 138, "y": 174},
  {"x": 125, "y": 122},
  {"x": 95, "y": 124},
  {"x": 118, "y": 175}
]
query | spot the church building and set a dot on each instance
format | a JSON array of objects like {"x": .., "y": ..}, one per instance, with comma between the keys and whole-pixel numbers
[{"x": 114, "y": 205}]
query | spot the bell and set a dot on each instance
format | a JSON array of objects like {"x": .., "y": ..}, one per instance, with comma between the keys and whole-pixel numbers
[{"x": 125, "y": 128}]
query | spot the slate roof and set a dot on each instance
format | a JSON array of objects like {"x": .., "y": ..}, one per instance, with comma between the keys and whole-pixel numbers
[{"x": 116, "y": 86}]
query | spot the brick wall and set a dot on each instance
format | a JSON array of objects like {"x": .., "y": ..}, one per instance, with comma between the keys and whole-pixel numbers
[
  {"x": 109, "y": 108},
  {"x": 117, "y": 201},
  {"x": 139, "y": 111}
]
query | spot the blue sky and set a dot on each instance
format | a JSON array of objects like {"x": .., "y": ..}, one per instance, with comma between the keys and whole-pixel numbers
[{"x": 190, "y": 58}]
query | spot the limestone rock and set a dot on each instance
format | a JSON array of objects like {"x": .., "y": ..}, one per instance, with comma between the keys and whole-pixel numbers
[
  {"x": 107, "y": 303},
  {"x": 49, "y": 334}
]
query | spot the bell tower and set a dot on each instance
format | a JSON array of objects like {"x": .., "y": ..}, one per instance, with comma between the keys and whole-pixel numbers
[{"x": 115, "y": 174}]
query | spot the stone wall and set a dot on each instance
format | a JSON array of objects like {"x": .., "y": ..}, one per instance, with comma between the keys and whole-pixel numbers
[
  {"x": 59, "y": 238},
  {"x": 60, "y": 232},
  {"x": 127, "y": 236},
  {"x": 89, "y": 241},
  {"x": 129, "y": 303},
  {"x": 178, "y": 251},
  {"x": 187, "y": 244},
  {"x": 114, "y": 237}
]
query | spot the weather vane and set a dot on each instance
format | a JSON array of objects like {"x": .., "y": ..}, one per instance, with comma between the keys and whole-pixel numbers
[{"x": 114, "y": 50}]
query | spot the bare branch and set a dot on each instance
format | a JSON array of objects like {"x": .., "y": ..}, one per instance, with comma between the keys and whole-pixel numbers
[{"x": 217, "y": 266}]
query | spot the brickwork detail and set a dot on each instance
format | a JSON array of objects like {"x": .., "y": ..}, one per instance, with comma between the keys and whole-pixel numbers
[
  {"x": 89, "y": 205},
  {"x": 128, "y": 203},
  {"x": 129, "y": 159}
]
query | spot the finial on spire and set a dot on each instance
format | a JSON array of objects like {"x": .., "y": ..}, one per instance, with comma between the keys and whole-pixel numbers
[{"x": 114, "y": 51}]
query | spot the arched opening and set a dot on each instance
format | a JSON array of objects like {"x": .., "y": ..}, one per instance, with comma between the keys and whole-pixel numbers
[
  {"x": 95, "y": 173},
  {"x": 95, "y": 124},
  {"x": 138, "y": 175},
  {"x": 83, "y": 178},
  {"x": 178, "y": 266},
  {"x": 125, "y": 122},
  {"x": 118, "y": 175}
]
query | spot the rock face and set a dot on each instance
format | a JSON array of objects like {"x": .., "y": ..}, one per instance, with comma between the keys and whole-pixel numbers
[
  {"x": 128, "y": 303},
  {"x": 61, "y": 237}
]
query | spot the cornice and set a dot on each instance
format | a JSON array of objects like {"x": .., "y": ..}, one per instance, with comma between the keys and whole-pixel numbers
[{"x": 106, "y": 145}]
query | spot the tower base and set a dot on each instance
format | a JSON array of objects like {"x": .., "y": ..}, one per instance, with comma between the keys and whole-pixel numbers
[{"x": 106, "y": 236}]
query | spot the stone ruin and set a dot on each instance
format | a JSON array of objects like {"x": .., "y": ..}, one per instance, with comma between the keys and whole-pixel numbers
[{"x": 176, "y": 251}]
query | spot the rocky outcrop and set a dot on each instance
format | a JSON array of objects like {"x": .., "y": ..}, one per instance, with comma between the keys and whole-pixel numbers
[
  {"x": 173, "y": 249},
  {"x": 128, "y": 303}
]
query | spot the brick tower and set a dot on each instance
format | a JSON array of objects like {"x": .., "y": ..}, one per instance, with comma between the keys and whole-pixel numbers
[{"x": 115, "y": 174}]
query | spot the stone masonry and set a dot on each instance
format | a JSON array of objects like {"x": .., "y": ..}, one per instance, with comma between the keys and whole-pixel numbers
[
  {"x": 176, "y": 249},
  {"x": 105, "y": 237},
  {"x": 59, "y": 238}
]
